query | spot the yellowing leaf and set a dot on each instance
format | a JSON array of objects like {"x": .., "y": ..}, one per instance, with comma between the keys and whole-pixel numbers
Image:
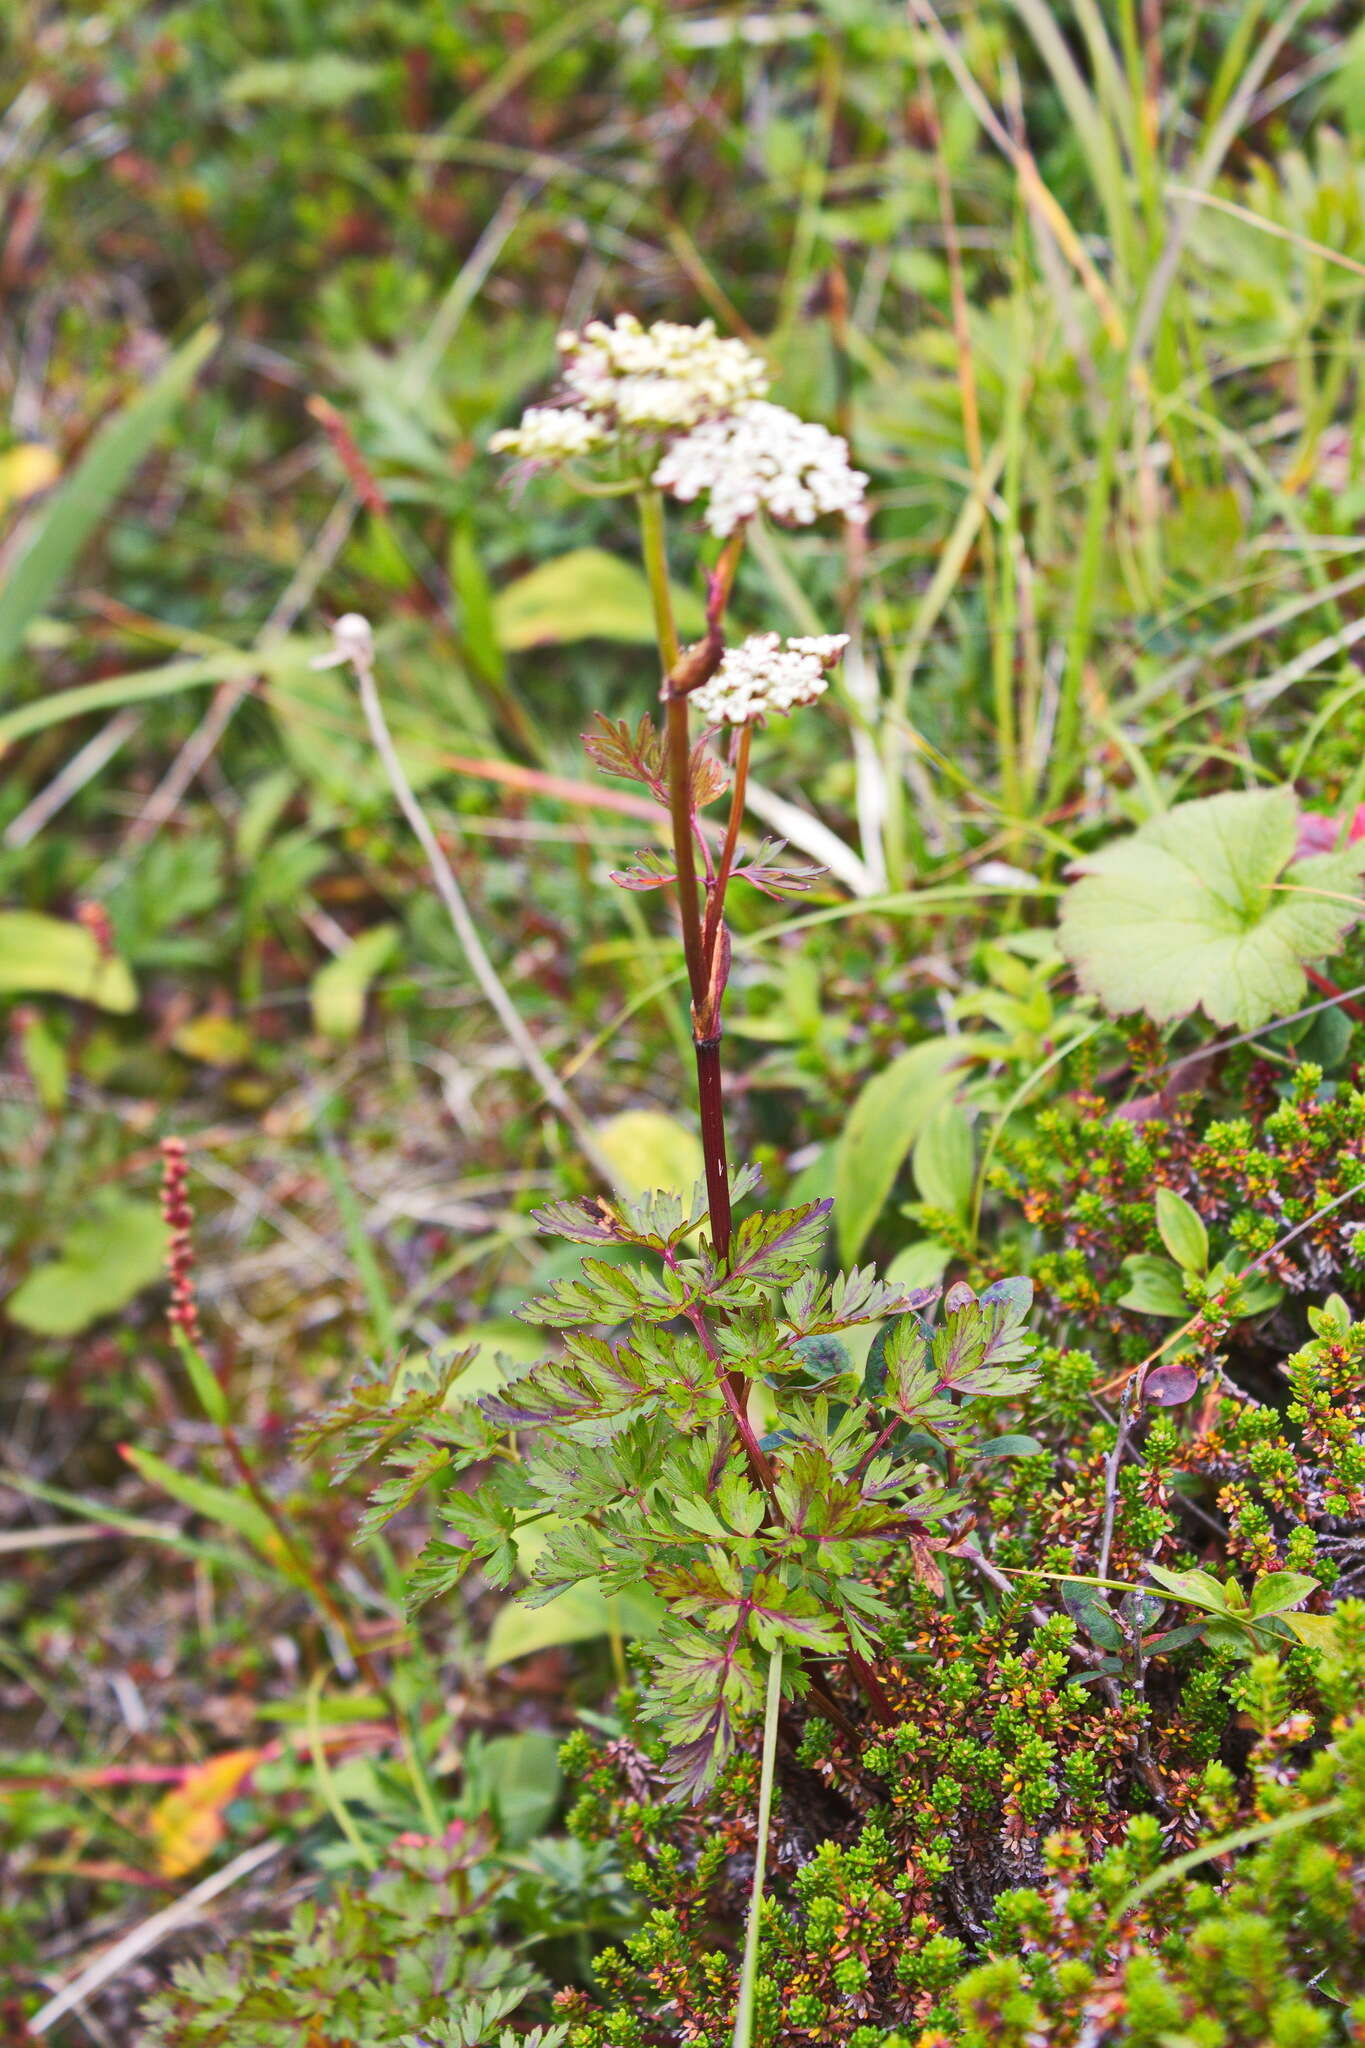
[
  {"x": 115, "y": 1250},
  {"x": 53, "y": 956},
  {"x": 26, "y": 470},
  {"x": 214, "y": 1039},
  {"x": 339, "y": 989},
  {"x": 584, "y": 595},
  {"x": 187, "y": 1825},
  {"x": 648, "y": 1151}
]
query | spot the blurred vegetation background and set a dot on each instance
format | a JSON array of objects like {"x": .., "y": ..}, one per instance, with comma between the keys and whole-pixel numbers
[{"x": 1083, "y": 286}]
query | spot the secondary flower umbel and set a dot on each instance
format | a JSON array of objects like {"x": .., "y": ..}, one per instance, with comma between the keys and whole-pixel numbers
[
  {"x": 762, "y": 457},
  {"x": 764, "y": 676}
]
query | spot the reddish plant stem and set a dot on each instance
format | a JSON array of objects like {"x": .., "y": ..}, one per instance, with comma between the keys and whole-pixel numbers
[
  {"x": 680, "y": 812},
  {"x": 872, "y": 1686},
  {"x": 714, "y": 1158},
  {"x": 1329, "y": 988},
  {"x": 715, "y": 907},
  {"x": 735, "y": 1388}
]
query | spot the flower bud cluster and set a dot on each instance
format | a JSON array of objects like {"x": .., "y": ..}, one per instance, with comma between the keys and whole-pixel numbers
[{"x": 766, "y": 675}]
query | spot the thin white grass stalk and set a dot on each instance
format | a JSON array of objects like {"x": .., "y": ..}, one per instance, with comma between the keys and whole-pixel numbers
[
  {"x": 748, "y": 1976},
  {"x": 466, "y": 931},
  {"x": 1259, "y": 628},
  {"x": 148, "y": 1934},
  {"x": 1281, "y": 679},
  {"x": 1267, "y": 227},
  {"x": 1225, "y": 131}
]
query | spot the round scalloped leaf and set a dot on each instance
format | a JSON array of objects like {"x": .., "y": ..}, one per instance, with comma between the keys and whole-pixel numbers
[{"x": 1206, "y": 908}]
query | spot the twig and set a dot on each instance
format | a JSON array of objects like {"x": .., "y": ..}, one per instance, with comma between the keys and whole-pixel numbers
[
  {"x": 151, "y": 1933},
  {"x": 1111, "y": 1476},
  {"x": 80, "y": 769}
]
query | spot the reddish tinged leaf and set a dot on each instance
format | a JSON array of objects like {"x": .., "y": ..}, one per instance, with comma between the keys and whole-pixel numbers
[
  {"x": 1169, "y": 1385},
  {"x": 654, "y": 871},
  {"x": 637, "y": 755}
]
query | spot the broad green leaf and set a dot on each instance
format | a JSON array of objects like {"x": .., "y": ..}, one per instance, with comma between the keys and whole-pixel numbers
[
  {"x": 1318, "y": 1631},
  {"x": 943, "y": 1161},
  {"x": 888, "y": 1116},
  {"x": 478, "y": 626},
  {"x": 339, "y": 989},
  {"x": 649, "y": 1151},
  {"x": 1182, "y": 1231},
  {"x": 1154, "y": 1287},
  {"x": 518, "y": 1777},
  {"x": 580, "y": 1615},
  {"x": 1279, "y": 1590},
  {"x": 1090, "y": 1611},
  {"x": 1010, "y": 1447},
  {"x": 45, "y": 1057},
  {"x": 111, "y": 1254},
  {"x": 1195, "y": 1588},
  {"x": 1205, "y": 907},
  {"x": 585, "y": 595},
  {"x": 919, "y": 1265},
  {"x": 86, "y": 495},
  {"x": 50, "y": 956}
]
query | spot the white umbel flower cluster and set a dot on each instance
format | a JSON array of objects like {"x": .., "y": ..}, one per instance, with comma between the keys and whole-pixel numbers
[
  {"x": 761, "y": 456},
  {"x": 552, "y": 433},
  {"x": 767, "y": 675},
  {"x": 661, "y": 378},
  {"x": 630, "y": 380}
]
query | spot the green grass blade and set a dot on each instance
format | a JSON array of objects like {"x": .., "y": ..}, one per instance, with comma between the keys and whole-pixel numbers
[{"x": 79, "y": 504}]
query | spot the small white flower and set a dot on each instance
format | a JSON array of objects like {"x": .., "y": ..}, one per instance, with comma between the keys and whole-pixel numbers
[
  {"x": 659, "y": 378},
  {"x": 550, "y": 433},
  {"x": 628, "y": 380},
  {"x": 766, "y": 675},
  {"x": 352, "y": 641},
  {"x": 762, "y": 457}
]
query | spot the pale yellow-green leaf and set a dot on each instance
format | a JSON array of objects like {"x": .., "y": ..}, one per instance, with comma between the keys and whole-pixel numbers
[
  {"x": 584, "y": 595},
  {"x": 25, "y": 470},
  {"x": 107, "y": 1257},
  {"x": 214, "y": 1040},
  {"x": 339, "y": 989},
  {"x": 888, "y": 1116},
  {"x": 1206, "y": 908},
  {"x": 648, "y": 1151},
  {"x": 42, "y": 955},
  {"x": 580, "y": 1615}
]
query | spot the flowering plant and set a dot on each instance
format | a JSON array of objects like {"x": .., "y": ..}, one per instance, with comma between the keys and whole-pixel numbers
[{"x": 702, "y": 1432}]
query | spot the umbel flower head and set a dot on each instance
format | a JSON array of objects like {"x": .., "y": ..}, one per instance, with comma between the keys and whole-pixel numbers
[
  {"x": 631, "y": 380},
  {"x": 767, "y": 675},
  {"x": 762, "y": 457},
  {"x": 687, "y": 408}
]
